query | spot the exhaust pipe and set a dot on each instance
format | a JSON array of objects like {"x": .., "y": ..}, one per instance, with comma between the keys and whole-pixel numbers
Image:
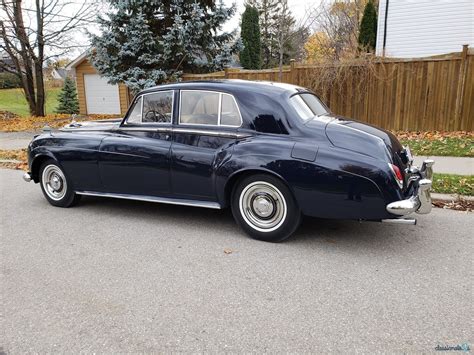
[{"x": 411, "y": 221}]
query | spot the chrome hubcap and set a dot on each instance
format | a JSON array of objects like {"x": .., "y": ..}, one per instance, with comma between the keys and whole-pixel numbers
[
  {"x": 262, "y": 206},
  {"x": 54, "y": 182}
]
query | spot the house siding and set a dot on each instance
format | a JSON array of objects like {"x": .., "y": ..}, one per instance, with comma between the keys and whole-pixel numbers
[
  {"x": 425, "y": 27},
  {"x": 85, "y": 67}
]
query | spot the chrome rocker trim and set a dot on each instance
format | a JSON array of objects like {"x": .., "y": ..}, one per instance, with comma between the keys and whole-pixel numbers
[
  {"x": 171, "y": 201},
  {"x": 421, "y": 201}
]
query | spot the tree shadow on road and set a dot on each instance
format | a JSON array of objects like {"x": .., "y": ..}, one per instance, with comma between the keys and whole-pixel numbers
[{"x": 334, "y": 234}]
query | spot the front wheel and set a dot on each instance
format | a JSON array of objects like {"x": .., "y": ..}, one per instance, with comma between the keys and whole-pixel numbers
[
  {"x": 56, "y": 187},
  {"x": 265, "y": 208}
]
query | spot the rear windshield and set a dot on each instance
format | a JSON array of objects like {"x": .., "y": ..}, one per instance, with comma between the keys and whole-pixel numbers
[{"x": 308, "y": 105}]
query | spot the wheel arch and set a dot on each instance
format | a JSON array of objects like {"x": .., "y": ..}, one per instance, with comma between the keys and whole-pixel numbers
[
  {"x": 36, "y": 164},
  {"x": 237, "y": 175}
]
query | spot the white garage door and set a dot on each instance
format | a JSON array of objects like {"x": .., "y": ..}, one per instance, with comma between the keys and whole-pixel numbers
[{"x": 101, "y": 97}]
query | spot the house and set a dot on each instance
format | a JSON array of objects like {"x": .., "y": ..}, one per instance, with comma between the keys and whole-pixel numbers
[
  {"x": 95, "y": 94},
  {"x": 423, "y": 28},
  {"x": 59, "y": 73},
  {"x": 6, "y": 62}
]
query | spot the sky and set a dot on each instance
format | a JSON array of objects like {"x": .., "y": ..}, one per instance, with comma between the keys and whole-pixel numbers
[{"x": 298, "y": 8}]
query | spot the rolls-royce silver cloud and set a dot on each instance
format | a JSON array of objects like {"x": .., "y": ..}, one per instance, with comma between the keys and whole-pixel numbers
[{"x": 271, "y": 152}]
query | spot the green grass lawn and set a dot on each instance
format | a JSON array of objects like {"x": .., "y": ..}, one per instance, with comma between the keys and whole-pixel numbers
[
  {"x": 453, "y": 184},
  {"x": 13, "y": 100},
  {"x": 448, "y": 146}
]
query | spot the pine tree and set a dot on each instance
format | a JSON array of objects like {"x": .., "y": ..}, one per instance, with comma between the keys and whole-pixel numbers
[
  {"x": 250, "y": 33},
  {"x": 147, "y": 42},
  {"x": 368, "y": 28},
  {"x": 268, "y": 15},
  {"x": 68, "y": 98}
]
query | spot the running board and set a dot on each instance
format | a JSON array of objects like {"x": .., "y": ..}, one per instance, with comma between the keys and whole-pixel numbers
[{"x": 171, "y": 201}]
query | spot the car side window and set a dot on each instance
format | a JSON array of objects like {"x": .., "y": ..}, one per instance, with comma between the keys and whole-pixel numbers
[
  {"x": 230, "y": 115},
  {"x": 158, "y": 107},
  {"x": 208, "y": 108},
  {"x": 135, "y": 115},
  {"x": 199, "y": 107}
]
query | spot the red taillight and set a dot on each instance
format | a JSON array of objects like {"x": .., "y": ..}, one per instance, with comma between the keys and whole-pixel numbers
[{"x": 397, "y": 173}]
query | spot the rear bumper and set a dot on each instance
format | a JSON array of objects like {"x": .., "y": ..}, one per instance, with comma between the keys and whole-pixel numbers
[{"x": 420, "y": 202}]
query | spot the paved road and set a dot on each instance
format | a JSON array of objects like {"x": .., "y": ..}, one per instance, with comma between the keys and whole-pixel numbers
[
  {"x": 15, "y": 140},
  {"x": 124, "y": 276}
]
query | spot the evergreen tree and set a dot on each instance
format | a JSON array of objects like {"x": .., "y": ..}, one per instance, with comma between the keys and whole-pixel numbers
[
  {"x": 250, "y": 34},
  {"x": 368, "y": 28},
  {"x": 68, "y": 98},
  {"x": 268, "y": 13},
  {"x": 148, "y": 42}
]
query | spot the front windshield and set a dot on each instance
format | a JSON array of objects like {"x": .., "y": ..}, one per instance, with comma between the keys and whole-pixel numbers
[{"x": 308, "y": 105}]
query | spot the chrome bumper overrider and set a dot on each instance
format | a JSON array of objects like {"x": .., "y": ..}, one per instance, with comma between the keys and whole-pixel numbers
[
  {"x": 420, "y": 202},
  {"x": 27, "y": 177}
]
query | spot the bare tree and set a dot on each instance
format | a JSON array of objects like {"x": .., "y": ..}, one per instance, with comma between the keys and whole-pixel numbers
[
  {"x": 33, "y": 33},
  {"x": 290, "y": 32},
  {"x": 337, "y": 23}
]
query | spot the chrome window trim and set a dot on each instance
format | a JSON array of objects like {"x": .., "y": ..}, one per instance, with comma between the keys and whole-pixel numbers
[
  {"x": 211, "y": 132},
  {"x": 219, "y": 113},
  {"x": 142, "y": 97},
  {"x": 216, "y": 133}
]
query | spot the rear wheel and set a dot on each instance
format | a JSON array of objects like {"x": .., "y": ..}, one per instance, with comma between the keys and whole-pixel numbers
[
  {"x": 55, "y": 185},
  {"x": 265, "y": 208}
]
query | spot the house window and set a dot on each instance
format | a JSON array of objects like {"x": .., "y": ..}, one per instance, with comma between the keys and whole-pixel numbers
[{"x": 208, "y": 108}]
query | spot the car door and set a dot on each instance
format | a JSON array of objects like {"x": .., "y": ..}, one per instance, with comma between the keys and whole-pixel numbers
[
  {"x": 202, "y": 140},
  {"x": 135, "y": 159}
]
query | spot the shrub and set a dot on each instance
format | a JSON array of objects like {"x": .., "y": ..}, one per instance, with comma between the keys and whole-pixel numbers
[
  {"x": 67, "y": 98},
  {"x": 9, "y": 81}
]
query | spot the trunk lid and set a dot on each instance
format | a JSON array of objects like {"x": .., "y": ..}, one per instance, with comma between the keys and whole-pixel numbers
[{"x": 366, "y": 139}]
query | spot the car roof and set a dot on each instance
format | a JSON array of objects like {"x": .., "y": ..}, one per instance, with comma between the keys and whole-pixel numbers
[{"x": 230, "y": 85}]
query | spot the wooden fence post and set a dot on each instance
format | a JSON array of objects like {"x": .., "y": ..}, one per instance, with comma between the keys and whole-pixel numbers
[
  {"x": 226, "y": 72},
  {"x": 292, "y": 71},
  {"x": 460, "y": 89}
]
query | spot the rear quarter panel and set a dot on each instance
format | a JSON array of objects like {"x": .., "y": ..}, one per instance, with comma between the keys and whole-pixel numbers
[{"x": 337, "y": 184}]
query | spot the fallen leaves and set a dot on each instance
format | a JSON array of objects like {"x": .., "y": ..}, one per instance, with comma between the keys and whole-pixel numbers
[
  {"x": 457, "y": 144},
  {"x": 33, "y": 123},
  {"x": 15, "y": 154},
  {"x": 18, "y": 159},
  {"x": 458, "y": 205}
]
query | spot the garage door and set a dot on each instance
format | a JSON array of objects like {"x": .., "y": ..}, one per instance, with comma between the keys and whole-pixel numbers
[{"x": 101, "y": 97}]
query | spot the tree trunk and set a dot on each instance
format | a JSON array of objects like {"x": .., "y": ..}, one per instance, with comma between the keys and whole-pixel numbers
[
  {"x": 25, "y": 53},
  {"x": 40, "y": 96}
]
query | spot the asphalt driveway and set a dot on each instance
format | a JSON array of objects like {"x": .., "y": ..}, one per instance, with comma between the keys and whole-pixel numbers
[{"x": 123, "y": 276}]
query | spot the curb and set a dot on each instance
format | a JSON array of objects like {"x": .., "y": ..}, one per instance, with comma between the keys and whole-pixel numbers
[
  {"x": 450, "y": 197},
  {"x": 10, "y": 161}
]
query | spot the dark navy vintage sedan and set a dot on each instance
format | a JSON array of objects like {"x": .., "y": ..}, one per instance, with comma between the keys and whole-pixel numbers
[{"x": 272, "y": 152}]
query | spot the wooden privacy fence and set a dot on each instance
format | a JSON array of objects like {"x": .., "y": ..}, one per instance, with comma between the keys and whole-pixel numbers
[{"x": 425, "y": 94}]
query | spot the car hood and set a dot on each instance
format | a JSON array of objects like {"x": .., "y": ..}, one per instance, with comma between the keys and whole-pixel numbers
[{"x": 98, "y": 125}]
